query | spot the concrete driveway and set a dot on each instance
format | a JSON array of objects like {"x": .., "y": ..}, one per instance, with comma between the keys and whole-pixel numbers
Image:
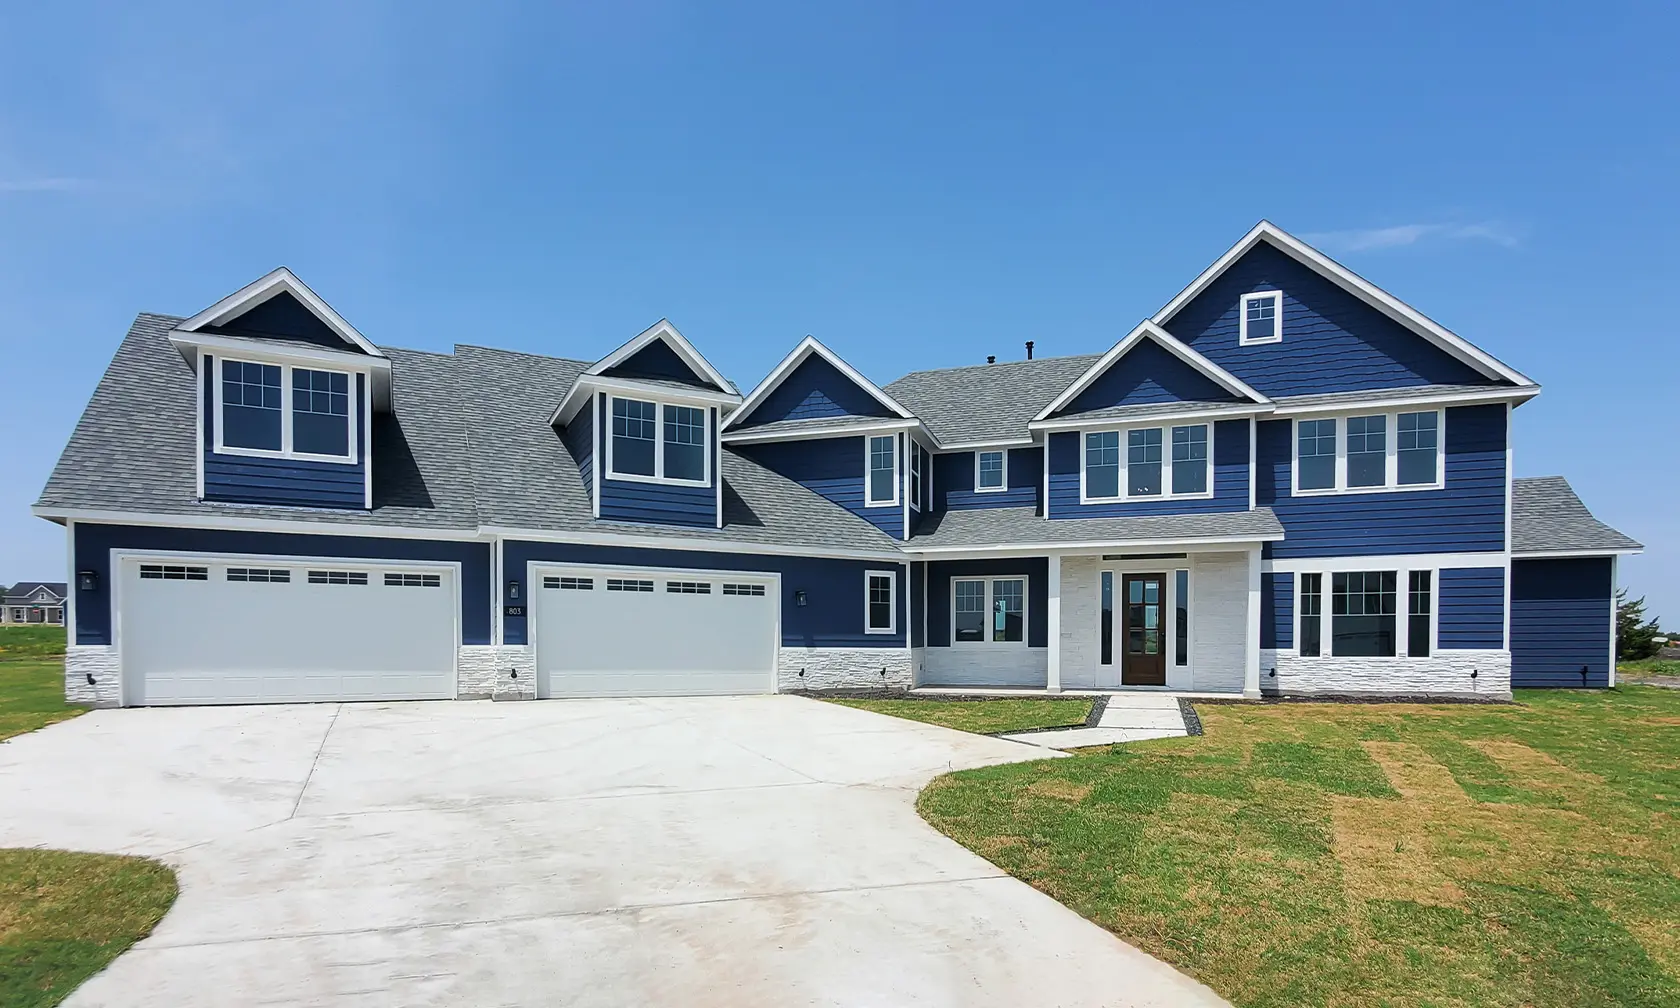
[{"x": 743, "y": 851}]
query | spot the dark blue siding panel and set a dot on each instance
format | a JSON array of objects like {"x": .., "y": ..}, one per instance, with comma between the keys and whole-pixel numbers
[
  {"x": 813, "y": 390},
  {"x": 1277, "y": 610},
  {"x": 658, "y": 503},
  {"x": 918, "y": 596},
  {"x": 286, "y": 317},
  {"x": 1467, "y": 516},
  {"x": 249, "y": 479},
  {"x": 1230, "y": 479},
  {"x": 832, "y": 467},
  {"x": 1560, "y": 622},
  {"x": 579, "y": 438},
  {"x": 658, "y": 360},
  {"x": 940, "y": 573},
  {"x": 831, "y": 617},
  {"x": 1332, "y": 341},
  {"x": 953, "y": 481},
  {"x": 1471, "y": 605},
  {"x": 94, "y": 544},
  {"x": 1148, "y": 374}
]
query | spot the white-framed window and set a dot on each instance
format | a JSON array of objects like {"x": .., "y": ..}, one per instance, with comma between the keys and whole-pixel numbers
[
  {"x": 280, "y": 410},
  {"x": 1364, "y": 618},
  {"x": 880, "y": 602},
  {"x": 991, "y": 471},
  {"x": 1260, "y": 318},
  {"x": 880, "y": 472},
  {"x": 989, "y": 611},
  {"x": 656, "y": 442},
  {"x": 1369, "y": 452},
  {"x": 1145, "y": 463},
  {"x": 916, "y": 477}
]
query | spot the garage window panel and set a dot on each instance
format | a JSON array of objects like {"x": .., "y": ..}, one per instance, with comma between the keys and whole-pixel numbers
[
  {"x": 688, "y": 587},
  {"x": 173, "y": 572},
  {"x": 743, "y": 589},
  {"x": 629, "y": 585},
  {"x": 394, "y": 580},
  {"x": 569, "y": 583},
  {"x": 259, "y": 574},
  {"x": 338, "y": 577}
]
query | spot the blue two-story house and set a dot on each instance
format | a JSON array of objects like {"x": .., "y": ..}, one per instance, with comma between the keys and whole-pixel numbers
[{"x": 1283, "y": 482}]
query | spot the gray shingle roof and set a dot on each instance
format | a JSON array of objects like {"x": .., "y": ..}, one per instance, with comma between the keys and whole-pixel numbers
[
  {"x": 19, "y": 593},
  {"x": 1382, "y": 395},
  {"x": 1154, "y": 409},
  {"x": 812, "y": 423},
  {"x": 987, "y": 402},
  {"x": 1547, "y": 517},
  {"x": 1024, "y": 526}
]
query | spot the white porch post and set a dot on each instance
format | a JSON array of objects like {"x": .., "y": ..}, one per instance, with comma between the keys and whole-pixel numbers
[
  {"x": 1053, "y": 609},
  {"x": 1251, "y": 653}
]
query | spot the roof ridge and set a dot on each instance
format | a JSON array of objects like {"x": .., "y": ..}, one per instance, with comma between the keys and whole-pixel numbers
[
  {"x": 520, "y": 353},
  {"x": 998, "y": 364}
]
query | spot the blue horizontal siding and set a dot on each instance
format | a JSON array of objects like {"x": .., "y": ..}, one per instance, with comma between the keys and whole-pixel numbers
[
  {"x": 1560, "y": 622},
  {"x": 940, "y": 573},
  {"x": 1230, "y": 478},
  {"x": 288, "y": 318},
  {"x": 916, "y": 602},
  {"x": 831, "y": 617},
  {"x": 813, "y": 390},
  {"x": 1471, "y": 608},
  {"x": 1332, "y": 341},
  {"x": 94, "y": 544},
  {"x": 658, "y": 503},
  {"x": 579, "y": 438},
  {"x": 1147, "y": 373},
  {"x": 246, "y": 479},
  {"x": 1467, "y": 516},
  {"x": 831, "y": 467},
  {"x": 953, "y": 481},
  {"x": 657, "y": 360},
  {"x": 1277, "y": 610}
]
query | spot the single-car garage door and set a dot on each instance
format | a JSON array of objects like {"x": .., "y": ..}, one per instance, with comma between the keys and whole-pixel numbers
[
  {"x": 265, "y": 631},
  {"x": 654, "y": 633}
]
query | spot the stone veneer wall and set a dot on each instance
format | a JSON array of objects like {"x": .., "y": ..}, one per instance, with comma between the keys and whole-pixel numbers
[
  {"x": 100, "y": 662},
  {"x": 1445, "y": 674},
  {"x": 800, "y": 668},
  {"x": 980, "y": 666},
  {"x": 502, "y": 672}
]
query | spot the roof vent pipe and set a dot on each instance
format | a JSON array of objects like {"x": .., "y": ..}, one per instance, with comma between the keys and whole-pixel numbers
[
  {"x": 1029, "y": 349},
  {"x": 991, "y": 358}
]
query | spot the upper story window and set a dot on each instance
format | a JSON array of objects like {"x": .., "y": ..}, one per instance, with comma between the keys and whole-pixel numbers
[
  {"x": 658, "y": 442},
  {"x": 284, "y": 411},
  {"x": 1369, "y": 452},
  {"x": 1260, "y": 317},
  {"x": 990, "y": 472},
  {"x": 1142, "y": 469},
  {"x": 881, "y": 477},
  {"x": 915, "y": 477}
]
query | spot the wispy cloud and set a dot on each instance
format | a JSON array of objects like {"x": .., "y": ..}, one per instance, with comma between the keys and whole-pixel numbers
[
  {"x": 1400, "y": 235},
  {"x": 44, "y": 184}
]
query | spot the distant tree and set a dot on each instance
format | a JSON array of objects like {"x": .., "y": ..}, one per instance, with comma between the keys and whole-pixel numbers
[{"x": 1635, "y": 635}]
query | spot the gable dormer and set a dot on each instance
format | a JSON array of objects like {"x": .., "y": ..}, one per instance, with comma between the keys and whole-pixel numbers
[
  {"x": 642, "y": 424},
  {"x": 812, "y": 385},
  {"x": 287, "y": 390},
  {"x": 1289, "y": 321}
]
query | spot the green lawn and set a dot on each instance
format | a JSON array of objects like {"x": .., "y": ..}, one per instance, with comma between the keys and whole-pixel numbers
[
  {"x": 1368, "y": 855},
  {"x": 980, "y": 716},
  {"x": 1648, "y": 667},
  {"x": 64, "y": 915}
]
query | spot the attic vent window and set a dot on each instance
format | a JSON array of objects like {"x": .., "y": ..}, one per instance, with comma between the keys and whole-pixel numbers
[{"x": 1260, "y": 318}]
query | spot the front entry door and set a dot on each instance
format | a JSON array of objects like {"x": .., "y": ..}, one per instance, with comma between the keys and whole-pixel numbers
[{"x": 1143, "y": 659}]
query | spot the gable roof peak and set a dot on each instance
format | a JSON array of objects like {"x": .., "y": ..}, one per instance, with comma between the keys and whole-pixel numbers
[
  {"x": 664, "y": 331},
  {"x": 807, "y": 347},
  {"x": 1148, "y": 330},
  {"x": 278, "y": 281}
]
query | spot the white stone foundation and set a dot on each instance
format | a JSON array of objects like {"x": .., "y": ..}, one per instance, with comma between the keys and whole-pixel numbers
[
  {"x": 100, "y": 662},
  {"x": 844, "y": 668},
  {"x": 958, "y": 666},
  {"x": 1443, "y": 674},
  {"x": 495, "y": 671}
]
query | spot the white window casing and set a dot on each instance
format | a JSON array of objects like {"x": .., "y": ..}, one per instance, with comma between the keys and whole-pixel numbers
[
  {"x": 1002, "y": 455},
  {"x": 1260, "y": 300},
  {"x": 885, "y": 448},
  {"x": 1123, "y": 480},
  {"x": 659, "y": 422},
  {"x": 286, "y": 451},
  {"x": 1402, "y": 610},
  {"x": 989, "y": 596},
  {"x": 873, "y": 581},
  {"x": 1391, "y": 445}
]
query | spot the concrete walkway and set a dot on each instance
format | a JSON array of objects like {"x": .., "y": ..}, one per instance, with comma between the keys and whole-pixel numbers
[
  {"x": 1128, "y": 717},
  {"x": 748, "y": 851}
]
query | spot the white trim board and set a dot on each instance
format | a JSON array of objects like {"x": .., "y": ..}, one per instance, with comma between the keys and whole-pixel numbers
[
  {"x": 1235, "y": 411},
  {"x": 1218, "y": 544},
  {"x": 750, "y": 436},
  {"x": 1392, "y": 561},
  {"x": 268, "y": 286},
  {"x": 1150, "y": 330},
  {"x": 1569, "y": 554},
  {"x": 891, "y": 629},
  {"x": 808, "y": 346},
  {"x": 1354, "y": 284}
]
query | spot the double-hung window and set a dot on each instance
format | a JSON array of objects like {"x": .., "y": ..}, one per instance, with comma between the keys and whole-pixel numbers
[
  {"x": 880, "y": 602},
  {"x": 1145, "y": 469},
  {"x": 1260, "y": 317},
  {"x": 989, "y": 611},
  {"x": 661, "y": 442},
  {"x": 1417, "y": 613},
  {"x": 990, "y": 476},
  {"x": 284, "y": 410},
  {"x": 1369, "y": 452},
  {"x": 915, "y": 477},
  {"x": 881, "y": 475}
]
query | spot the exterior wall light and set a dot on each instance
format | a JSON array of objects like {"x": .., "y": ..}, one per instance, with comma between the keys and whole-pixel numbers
[
  {"x": 87, "y": 580},
  {"x": 799, "y": 598}
]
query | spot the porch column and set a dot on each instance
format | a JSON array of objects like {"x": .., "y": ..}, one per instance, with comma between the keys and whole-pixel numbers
[
  {"x": 1251, "y": 653},
  {"x": 1053, "y": 610}
]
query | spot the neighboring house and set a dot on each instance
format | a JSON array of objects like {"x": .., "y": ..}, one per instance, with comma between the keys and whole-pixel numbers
[
  {"x": 1284, "y": 481},
  {"x": 33, "y": 602}
]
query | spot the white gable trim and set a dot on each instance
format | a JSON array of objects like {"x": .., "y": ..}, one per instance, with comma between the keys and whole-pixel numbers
[
  {"x": 664, "y": 330},
  {"x": 281, "y": 280},
  {"x": 1149, "y": 330},
  {"x": 808, "y": 346},
  {"x": 1354, "y": 284}
]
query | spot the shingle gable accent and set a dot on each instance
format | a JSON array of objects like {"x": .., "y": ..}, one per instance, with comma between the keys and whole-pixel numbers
[
  {"x": 1222, "y": 383},
  {"x": 813, "y": 382},
  {"x": 278, "y": 306}
]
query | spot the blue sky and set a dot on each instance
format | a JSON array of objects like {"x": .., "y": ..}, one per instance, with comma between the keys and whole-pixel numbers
[{"x": 918, "y": 185}]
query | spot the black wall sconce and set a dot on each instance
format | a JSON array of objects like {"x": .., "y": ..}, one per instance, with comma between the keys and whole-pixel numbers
[
  {"x": 513, "y": 590},
  {"x": 799, "y": 598},
  {"x": 87, "y": 580}
]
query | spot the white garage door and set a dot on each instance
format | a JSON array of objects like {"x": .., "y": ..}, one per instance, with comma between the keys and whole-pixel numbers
[
  {"x": 654, "y": 633},
  {"x": 265, "y": 631}
]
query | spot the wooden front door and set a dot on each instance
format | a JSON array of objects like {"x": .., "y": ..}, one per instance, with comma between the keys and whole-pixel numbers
[{"x": 1143, "y": 659}]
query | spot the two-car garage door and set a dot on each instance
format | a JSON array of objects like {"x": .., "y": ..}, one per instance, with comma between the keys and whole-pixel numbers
[
  {"x": 653, "y": 633},
  {"x": 263, "y": 630}
]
